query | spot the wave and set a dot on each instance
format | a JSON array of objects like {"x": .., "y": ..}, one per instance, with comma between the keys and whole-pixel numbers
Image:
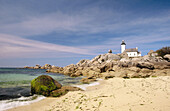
[
  {"x": 84, "y": 86},
  {"x": 8, "y": 104}
]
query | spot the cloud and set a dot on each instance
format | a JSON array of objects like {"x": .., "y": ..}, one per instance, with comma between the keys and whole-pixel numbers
[
  {"x": 43, "y": 24},
  {"x": 13, "y": 46},
  {"x": 134, "y": 30},
  {"x": 87, "y": 21},
  {"x": 143, "y": 42},
  {"x": 104, "y": 24}
]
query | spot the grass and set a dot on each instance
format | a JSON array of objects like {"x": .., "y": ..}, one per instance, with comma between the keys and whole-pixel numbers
[
  {"x": 77, "y": 107},
  {"x": 64, "y": 100},
  {"x": 100, "y": 103}
]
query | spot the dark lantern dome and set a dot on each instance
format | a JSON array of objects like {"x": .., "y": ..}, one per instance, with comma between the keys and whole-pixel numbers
[{"x": 123, "y": 42}]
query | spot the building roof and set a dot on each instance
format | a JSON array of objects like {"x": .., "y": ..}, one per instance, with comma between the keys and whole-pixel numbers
[
  {"x": 132, "y": 50},
  {"x": 123, "y": 42}
]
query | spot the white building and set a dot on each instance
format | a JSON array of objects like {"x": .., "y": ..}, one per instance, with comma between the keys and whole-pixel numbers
[{"x": 133, "y": 52}]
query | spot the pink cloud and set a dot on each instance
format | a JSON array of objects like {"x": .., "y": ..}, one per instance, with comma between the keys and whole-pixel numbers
[{"x": 13, "y": 46}]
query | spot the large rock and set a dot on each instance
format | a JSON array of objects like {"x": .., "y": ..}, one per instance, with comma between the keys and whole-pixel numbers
[
  {"x": 105, "y": 58},
  {"x": 162, "y": 66},
  {"x": 108, "y": 75},
  {"x": 76, "y": 74},
  {"x": 103, "y": 68},
  {"x": 160, "y": 72},
  {"x": 152, "y": 53},
  {"x": 125, "y": 60},
  {"x": 146, "y": 71},
  {"x": 152, "y": 59},
  {"x": 85, "y": 71},
  {"x": 136, "y": 59},
  {"x": 53, "y": 66},
  {"x": 147, "y": 65},
  {"x": 70, "y": 69},
  {"x": 96, "y": 69},
  {"x": 94, "y": 73},
  {"x": 124, "y": 55},
  {"x": 27, "y": 67},
  {"x": 106, "y": 67},
  {"x": 46, "y": 66},
  {"x": 83, "y": 63},
  {"x": 37, "y": 66},
  {"x": 167, "y": 57},
  {"x": 116, "y": 68},
  {"x": 64, "y": 90},
  {"x": 95, "y": 59},
  {"x": 87, "y": 80},
  {"x": 108, "y": 57},
  {"x": 134, "y": 69},
  {"x": 124, "y": 64},
  {"x": 43, "y": 85},
  {"x": 55, "y": 70}
]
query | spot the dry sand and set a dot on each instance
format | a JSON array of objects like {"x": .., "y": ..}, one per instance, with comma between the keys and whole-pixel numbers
[{"x": 117, "y": 94}]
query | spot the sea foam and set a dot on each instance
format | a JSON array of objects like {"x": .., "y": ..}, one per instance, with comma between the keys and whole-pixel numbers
[
  {"x": 84, "y": 86},
  {"x": 8, "y": 104}
]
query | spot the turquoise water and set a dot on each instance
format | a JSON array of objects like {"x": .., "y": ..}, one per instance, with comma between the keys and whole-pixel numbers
[
  {"x": 15, "y": 86},
  {"x": 15, "y": 83}
]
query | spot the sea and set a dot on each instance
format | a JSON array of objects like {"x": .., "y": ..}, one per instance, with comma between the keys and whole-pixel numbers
[{"x": 15, "y": 85}]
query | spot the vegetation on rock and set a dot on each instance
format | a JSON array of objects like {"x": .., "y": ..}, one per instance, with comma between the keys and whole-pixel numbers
[
  {"x": 47, "y": 86},
  {"x": 43, "y": 85},
  {"x": 163, "y": 51}
]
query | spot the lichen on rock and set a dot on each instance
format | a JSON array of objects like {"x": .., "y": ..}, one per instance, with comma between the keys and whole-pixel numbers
[{"x": 43, "y": 85}]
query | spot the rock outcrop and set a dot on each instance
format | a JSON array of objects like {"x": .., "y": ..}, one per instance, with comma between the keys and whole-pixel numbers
[
  {"x": 111, "y": 65},
  {"x": 46, "y": 66},
  {"x": 116, "y": 65}
]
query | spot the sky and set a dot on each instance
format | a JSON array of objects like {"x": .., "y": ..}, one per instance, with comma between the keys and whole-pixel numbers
[{"x": 62, "y": 32}]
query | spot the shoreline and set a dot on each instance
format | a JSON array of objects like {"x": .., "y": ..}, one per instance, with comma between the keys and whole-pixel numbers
[
  {"x": 85, "y": 87},
  {"x": 116, "y": 94}
]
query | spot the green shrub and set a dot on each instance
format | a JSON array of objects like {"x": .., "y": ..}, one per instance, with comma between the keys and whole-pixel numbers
[{"x": 163, "y": 51}]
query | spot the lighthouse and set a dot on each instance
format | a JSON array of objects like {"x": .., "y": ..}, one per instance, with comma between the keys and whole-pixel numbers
[{"x": 123, "y": 46}]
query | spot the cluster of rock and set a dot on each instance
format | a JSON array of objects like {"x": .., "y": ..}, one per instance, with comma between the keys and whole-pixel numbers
[
  {"x": 46, "y": 66},
  {"x": 115, "y": 65},
  {"x": 47, "y": 86}
]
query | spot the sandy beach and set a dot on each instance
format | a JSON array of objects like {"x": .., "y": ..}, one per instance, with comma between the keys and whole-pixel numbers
[{"x": 116, "y": 94}]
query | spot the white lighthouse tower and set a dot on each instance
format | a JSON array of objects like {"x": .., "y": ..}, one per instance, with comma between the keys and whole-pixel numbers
[{"x": 123, "y": 46}]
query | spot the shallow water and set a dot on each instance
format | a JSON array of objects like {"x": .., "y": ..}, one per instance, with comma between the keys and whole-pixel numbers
[{"x": 15, "y": 85}]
